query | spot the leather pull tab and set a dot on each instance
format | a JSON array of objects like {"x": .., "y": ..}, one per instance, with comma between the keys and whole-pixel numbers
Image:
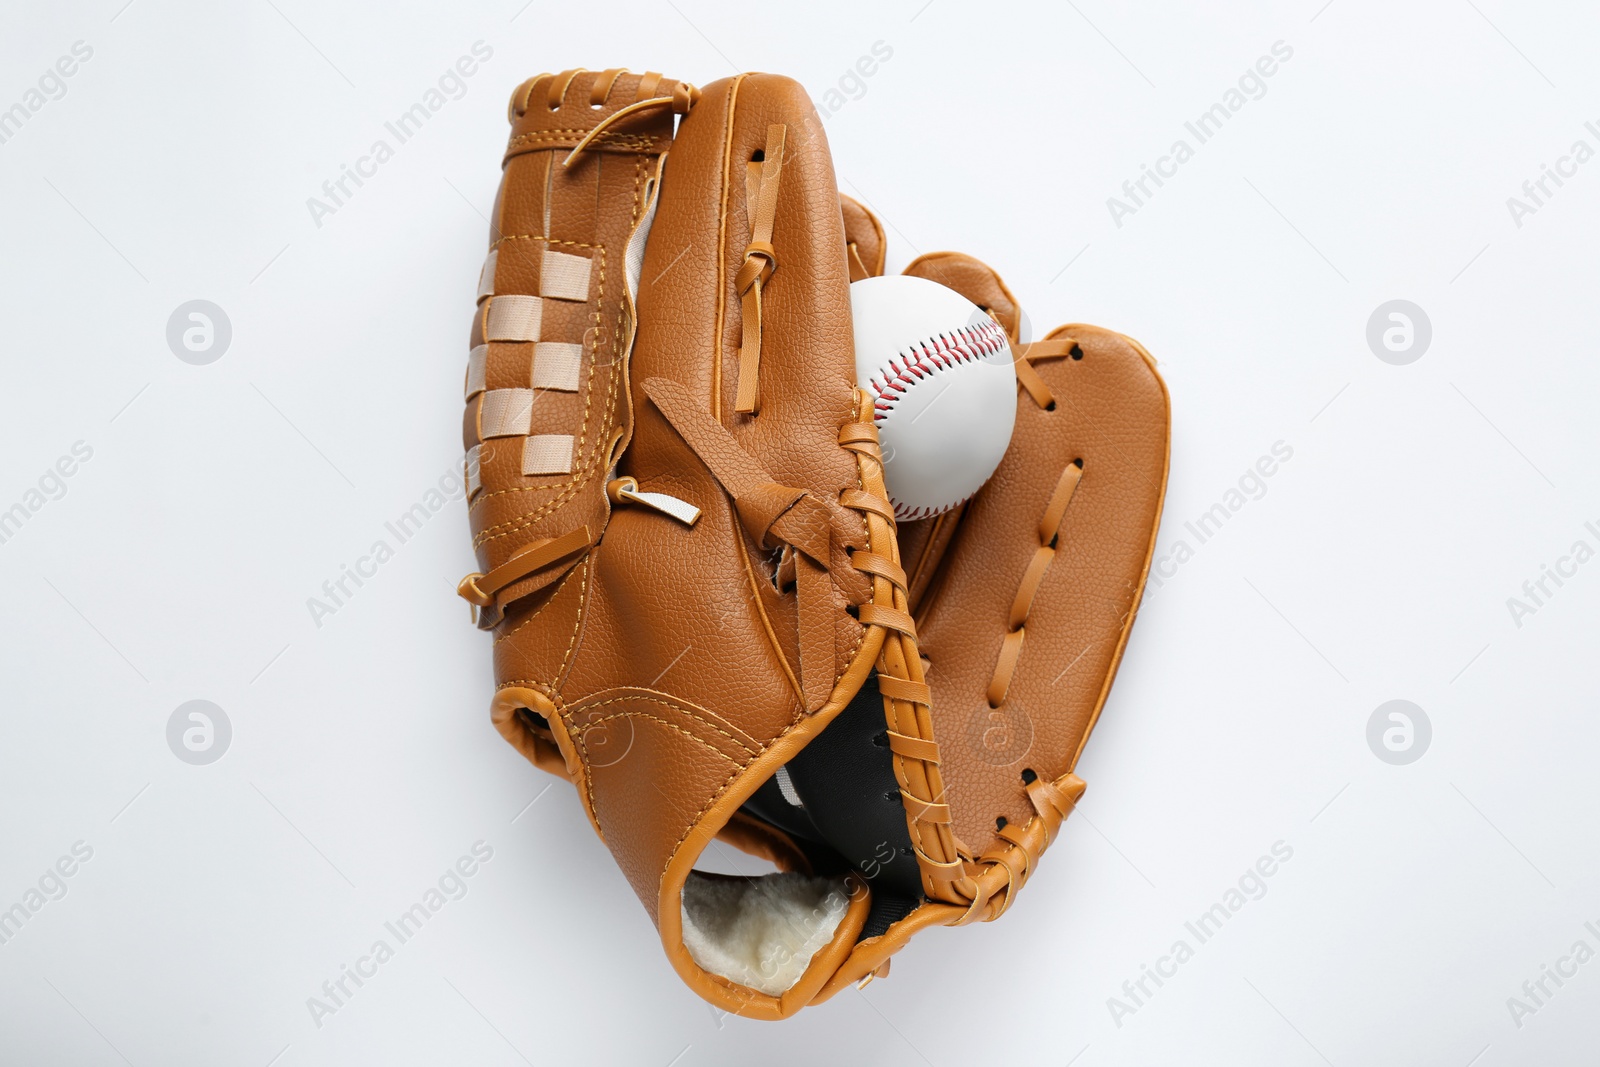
[{"x": 626, "y": 491}]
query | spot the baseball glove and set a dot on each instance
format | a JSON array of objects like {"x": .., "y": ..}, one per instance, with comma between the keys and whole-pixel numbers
[{"x": 704, "y": 614}]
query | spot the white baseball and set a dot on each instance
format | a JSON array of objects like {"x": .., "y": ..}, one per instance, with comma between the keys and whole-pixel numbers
[{"x": 944, "y": 391}]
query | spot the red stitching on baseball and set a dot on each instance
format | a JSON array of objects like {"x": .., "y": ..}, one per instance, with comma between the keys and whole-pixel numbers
[
  {"x": 970, "y": 343},
  {"x": 940, "y": 352}
]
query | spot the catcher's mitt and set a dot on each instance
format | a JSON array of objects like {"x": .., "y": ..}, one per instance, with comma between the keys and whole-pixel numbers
[{"x": 703, "y": 615}]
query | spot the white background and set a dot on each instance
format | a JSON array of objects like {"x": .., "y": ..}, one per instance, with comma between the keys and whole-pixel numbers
[{"x": 1377, "y": 565}]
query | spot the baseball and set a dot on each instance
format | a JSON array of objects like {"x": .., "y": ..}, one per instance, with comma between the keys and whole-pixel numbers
[{"x": 944, "y": 391}]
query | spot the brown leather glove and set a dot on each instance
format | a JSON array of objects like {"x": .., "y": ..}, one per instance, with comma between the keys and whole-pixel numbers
[{"x": 692, "y": 571}]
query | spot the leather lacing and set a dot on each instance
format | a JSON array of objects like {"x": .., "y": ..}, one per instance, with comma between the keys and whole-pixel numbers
[
  {"x": 903, "y": 687},
  {"x": 647, "y": 94},
  {"x": 682, "y": 99},
  {"x": 999, "y": 872},
  {"x": 760, "y": 260},
  {"x": 987, "y": 883}
]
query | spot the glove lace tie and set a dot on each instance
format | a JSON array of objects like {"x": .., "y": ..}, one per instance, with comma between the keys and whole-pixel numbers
[{"x": 760, "y": 261}]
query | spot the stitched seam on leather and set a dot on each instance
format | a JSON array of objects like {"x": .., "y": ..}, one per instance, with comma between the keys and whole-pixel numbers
[
  {"x": 653, "y": 718},
  {"x": 584, "y": 564},
  {"x": 693, "y": 710},
  {"x": 577, "y": 626},
  {"x": 766, "y": 620},
  {"x": 722, "y": 252},
  {"x": 606, "y": 139},
  {"x": 540, "y": 237},
  {"x": 583, "y": 602},
  {"x": 695, "y": 820},
  {"x": 743, "y": 747},
  {"x": 531, "y": 683}
]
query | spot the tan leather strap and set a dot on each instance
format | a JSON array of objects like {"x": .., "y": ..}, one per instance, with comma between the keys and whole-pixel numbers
[
  {"x": 759, "y": 263},
  {"x": 858, "y": 269},
  {"x": 1034, "y": 575},
  {"x": 858, "y": 500},
  {"x": 901, "y": 689},
  {"x": 482, "y": 590},
  {"x": 602, "y": 86},
  {"x": 647, "y": 85},
  {"x": 682, "y": 99},
  {"x": 882, "y": 566},
  {"x": 913, "y": 747},
  {"x": 558, "y": 86},
  {"x": 1032, "y": 578},
  {"x": 1000, "y": 872},
  {"x": 925, "y": 811},
  {"x": 890, "y": 618},
  {"x": 1025, "y": 356},
  {"x": 770, "y": 513},
  {"x": 1060, "y": 497},
  {"x": 859, "y": 433}
]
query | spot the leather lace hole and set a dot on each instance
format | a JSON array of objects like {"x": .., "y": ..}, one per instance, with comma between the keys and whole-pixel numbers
[
  {"x": 1050, "y": 406},
  {"x": 1078, "y": 463},
  {"x": 892, "y": 797},
  {"x": 1076, "y": 353},
  {"x": 1000, "y": 823},
  {"x": 1028, "y": 776},
  {"x": 882, "y": 739},
  {"x": 906, "y": 851}
]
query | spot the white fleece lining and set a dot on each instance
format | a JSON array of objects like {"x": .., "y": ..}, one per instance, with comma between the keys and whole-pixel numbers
[{"x": 760, "y": 932}]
